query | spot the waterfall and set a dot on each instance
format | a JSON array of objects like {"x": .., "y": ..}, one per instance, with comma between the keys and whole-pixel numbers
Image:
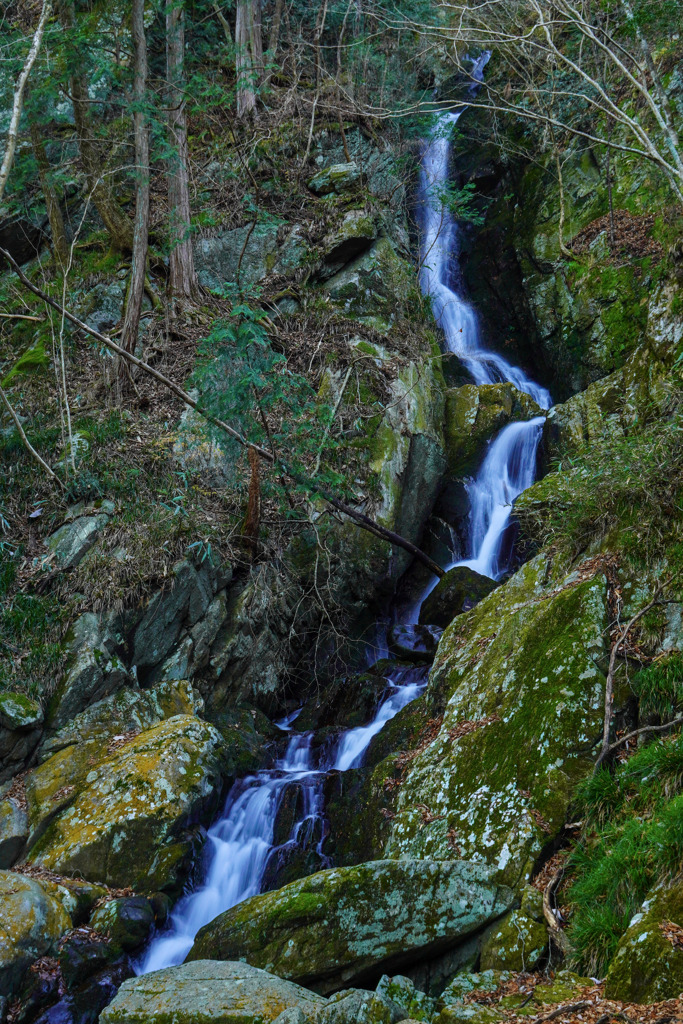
[{"x": 242, "y": 842}]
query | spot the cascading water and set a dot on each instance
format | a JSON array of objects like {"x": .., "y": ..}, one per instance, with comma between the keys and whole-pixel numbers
[{"x": 242, "y": 841}]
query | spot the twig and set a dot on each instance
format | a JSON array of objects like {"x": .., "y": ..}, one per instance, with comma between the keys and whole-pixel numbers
[
  {"x": 572, "y": 1008},
  {"x": 21, "y": 316},
  {"x": 556, "y": 933},
  {"x": 642, "y": 732},
  {"x": 609, "y": 684},
  {"x": 26, "y": 442}
]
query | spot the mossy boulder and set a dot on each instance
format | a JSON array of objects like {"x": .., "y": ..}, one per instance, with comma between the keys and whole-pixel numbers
[
  {"x": 565, "y": 987},
  {"x": 21, "y": 723},
  {"x": 126, "y": 921},
  {"x": 72, "y": 541},
  {"x": 31, "y": 924},
  {"x": 459, "y": 591},
  {"x": 337, "y": 178},
  {"x": 474, "y": 414},
  {"x": 648, "y": 964},
  {"x": 350, "y": 924},
  {"x": 408, "y": 1000},
  {"x": 519, "y": 684},
  {"x": 515, "y": 943},
  {"x": 127, "y": 822},
  {"x": 207, "y": 992},
  {"x": 70, "y": 755},
  {"x": 488, "y": 980}
]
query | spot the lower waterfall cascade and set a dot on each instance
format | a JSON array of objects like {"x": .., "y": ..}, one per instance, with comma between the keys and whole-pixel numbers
[{"x": 241, "y": 843}]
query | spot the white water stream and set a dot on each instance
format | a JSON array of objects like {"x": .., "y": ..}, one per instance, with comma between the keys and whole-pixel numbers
[{"x": 241, "y": 843}]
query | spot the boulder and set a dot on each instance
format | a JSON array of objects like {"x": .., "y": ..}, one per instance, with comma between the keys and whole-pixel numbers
[
  {"x": 351, "y": 924},
  {"x": 518, "y": 686},
  {"x": 129, "y": 823},
  {"x": 21, "y": 724},
  {"x": 481, "y": 981},
  {"x": 350, "y": 237},
  {"x": 376, "y": 283},
  {"x": 94, "y": 670},
  {"x": 337, "y": 178},
  {"x": 474, "y": 414},
  {"x": 414, "y": 643},
  {"x": 459, "y": 591},
  {"x": 648, "y": 964},
  {"x": 251, "y": 249},
  {"x": 184, "y": 603},
  {"x": 356, "y": 1006},
  {"x": 207, "y": 992},
  {"x": 515, "y": 943},
  {"x": 31, "y": 924},
  {"x": 126, "y": 921},
  {"x": 13, "y": 831},
  {"x": 409, "y": 1002},
  {"x": 70, "y": 755},
  {"x": 72, "y": 541}
]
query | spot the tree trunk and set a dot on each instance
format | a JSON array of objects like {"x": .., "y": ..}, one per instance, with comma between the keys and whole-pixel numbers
[
  {"x": 138, "y": 265},
  {"x": 244, "y": 65},
  {"x": 274, "y": 37},
  {"x": 60, "y": 246},
  {"x": 182, "y": 278},
  {"x": 115, "y": 221}
]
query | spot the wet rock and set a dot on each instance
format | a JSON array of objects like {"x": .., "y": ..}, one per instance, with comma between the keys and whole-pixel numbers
[
  {"x": 83, "y": 954},
  {"x": 337, "y": 178},
  {"x": 350, "y": 924},
  {"x": 515, "y": 943},
  {"x": 474, "y": 414},
  {"x": 648, "y": 964},
  {"x": 519, "y": 683},
  {"x": 127, "y": 922},
  {"x": 40, "y": 988},
  {"x": 72, "y": 541},
  {"x": 460, "y": 590},
  {"x": 415, "y": 643},
  {"x": 84, "y": 1004},
  {"x": 21, "y": 724},
  {"x": 13, "y": 831},
  {"x": 31, "y": 924},
  {"x": 130, "y": 821},
  {"x": 207, "y": 992}
]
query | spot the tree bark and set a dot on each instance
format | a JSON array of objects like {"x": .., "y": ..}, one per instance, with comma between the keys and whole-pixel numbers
[
  {"x": 274, "y": 37},
  {"x": 182, "y": 278},
  {"x": 136, "y": 287},
  {"x": 60, "y": 245},
  {"x": 244, "y": 62},
  {"x": 18, "y": 99},
  {"x": 118, "y": 226}
]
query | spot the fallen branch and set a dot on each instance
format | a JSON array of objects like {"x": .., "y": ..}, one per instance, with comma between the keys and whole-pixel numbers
[
  {"x": 556, "y": 933},
  {"x": 27, "y": 444},
  {"x": 642, "y": 732},
  {"x": 561, "y": 1010},
  {"x": 365, "y": 522}
]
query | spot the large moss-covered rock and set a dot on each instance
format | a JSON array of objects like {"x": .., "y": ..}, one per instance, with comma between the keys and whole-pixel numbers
[
  {"x": 474, "y": 414},
  {"x": 348, "y": 924},
  {"x": 519, "y": 684},
  {"x": 31, "y": 924},
  {"x": 459, "y": 590},
  {"x": 126, "y": 823},
  {"x": 337, "y": 178},
  {"x": 648, "y": 964},
  {"x": 515, "y": 943},
  {"x": 208, "y": 992},
  {"x": 13, "y": 831},
  {"x": 70, "y": 755}
]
